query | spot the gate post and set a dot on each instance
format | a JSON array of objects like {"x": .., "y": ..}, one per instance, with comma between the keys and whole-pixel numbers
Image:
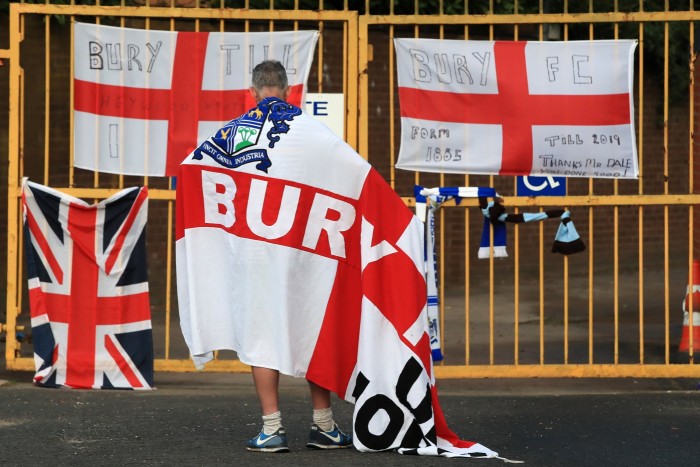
[
  {"x": 695, "y": 80},
  {"x": 13, "y": 137}
]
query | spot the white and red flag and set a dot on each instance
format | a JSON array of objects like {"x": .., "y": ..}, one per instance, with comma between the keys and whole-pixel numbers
[
  {"x": 145, "y": 99},
  {"x": 295, "y": 253},
  {"x": 88, "y": 289},
  {"x": 517, "y": 108}
]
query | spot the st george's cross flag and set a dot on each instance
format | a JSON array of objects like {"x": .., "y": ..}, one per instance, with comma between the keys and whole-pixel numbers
[
  {"x": 88, "y": 289},
  {"x": 144, "y": 99},
  {"x": 517, "y": 108},
  {"x": 295, "y": 253}
]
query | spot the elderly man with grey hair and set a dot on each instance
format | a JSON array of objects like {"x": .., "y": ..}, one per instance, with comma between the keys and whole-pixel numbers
[
  {"x": 273, "y": 330},
  {"x": 270, "y": 83}
]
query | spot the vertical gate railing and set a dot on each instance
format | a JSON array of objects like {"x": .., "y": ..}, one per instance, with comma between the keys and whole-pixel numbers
[
  {"x": 509, "y": 325},
  {"x": 612, "y": 311},
  {"x": 334, "y": 70}
]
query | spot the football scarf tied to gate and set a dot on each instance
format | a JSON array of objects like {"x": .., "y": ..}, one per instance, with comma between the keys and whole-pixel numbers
[
  {"x": 295, "y": 253},
  {"x": 566, "y": 241},
  {"x": 88, "y": 289},
  {"x": 428, "y": 200}
]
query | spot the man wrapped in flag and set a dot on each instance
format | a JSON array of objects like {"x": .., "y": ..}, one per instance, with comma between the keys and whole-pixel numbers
[{"x": 296, "y": 254}]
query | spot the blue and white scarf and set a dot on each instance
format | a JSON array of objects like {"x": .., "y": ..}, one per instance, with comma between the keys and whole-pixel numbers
[
  {"x": 566, "y": 241},
  {"x": 428, "y": 200},
  {"x": 493, "y": 238}
]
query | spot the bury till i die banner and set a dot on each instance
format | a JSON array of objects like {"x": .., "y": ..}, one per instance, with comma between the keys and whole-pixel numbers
[{"x": 145, "y": 99}]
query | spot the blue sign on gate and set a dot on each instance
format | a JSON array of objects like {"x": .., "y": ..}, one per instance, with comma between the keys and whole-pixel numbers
[{"x": 541, "y": 186}]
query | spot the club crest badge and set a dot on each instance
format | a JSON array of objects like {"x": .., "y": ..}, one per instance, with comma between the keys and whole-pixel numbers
[
  {"x": 242, "y": 132},
  {"x": 228, "y": 145},
  {"x": 237, "y": 142}
]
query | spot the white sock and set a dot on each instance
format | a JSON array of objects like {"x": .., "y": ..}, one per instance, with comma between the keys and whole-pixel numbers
[
  {"x": 272, "y": 422},
  {"x": 324, "y": 419}
]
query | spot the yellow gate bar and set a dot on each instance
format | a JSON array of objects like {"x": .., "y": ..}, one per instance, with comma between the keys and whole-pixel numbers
[
  {"x": 595, "y": 370},
  {"x": 545, "y": 18},
  {"x": 183, "y": 13},
  {"x": 570, "y": 371}
]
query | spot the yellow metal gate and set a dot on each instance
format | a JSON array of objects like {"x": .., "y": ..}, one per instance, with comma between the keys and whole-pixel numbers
[
  {"x": 613, "y": 311},
  {"x": 40, "y": 147}
]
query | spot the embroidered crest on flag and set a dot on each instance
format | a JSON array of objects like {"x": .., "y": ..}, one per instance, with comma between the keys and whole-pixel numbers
[
  {"x": 281, "y": 114},
  {"x": 88, "y": 289},
  {"x": 228, "y": 145},
  {"x": 241, "y": 132}
]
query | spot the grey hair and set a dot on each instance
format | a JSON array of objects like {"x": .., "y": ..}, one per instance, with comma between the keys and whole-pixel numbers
[{"x": 270, "y": 73}]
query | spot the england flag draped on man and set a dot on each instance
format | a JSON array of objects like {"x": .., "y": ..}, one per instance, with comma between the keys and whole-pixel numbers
[
  {"x": 517, "y": 108},
  {"x": 348, "y": 283},
  {"x": 144, "y": 99}
]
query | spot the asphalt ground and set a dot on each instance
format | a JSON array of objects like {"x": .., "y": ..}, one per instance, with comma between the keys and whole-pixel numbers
[{"x": 203, "y": 419}]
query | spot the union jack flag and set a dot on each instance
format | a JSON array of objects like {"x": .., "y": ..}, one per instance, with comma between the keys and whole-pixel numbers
[{"x": 88, "y": 289}]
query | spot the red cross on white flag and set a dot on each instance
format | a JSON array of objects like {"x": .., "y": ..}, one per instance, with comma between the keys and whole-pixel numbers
[
  {"x": 517, "y": 108},
  {"x": 145, "y": 99}
]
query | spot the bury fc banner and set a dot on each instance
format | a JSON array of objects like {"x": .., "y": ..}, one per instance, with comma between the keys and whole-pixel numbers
[
  {"x": 517, "y": 108},
  {"x": 88, "y": 289},
  {"x": 145, "y": 99}
]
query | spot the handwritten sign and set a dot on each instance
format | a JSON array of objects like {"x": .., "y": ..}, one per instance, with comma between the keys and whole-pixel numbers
[
  {"x": 588, "y": 152},
  {"x": 144, "y": 99},
  {"x": 517, "y": 108}
]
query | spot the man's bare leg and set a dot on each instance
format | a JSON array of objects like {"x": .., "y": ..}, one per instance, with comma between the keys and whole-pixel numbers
[
  {"x": 273, "y": 437},
  {"x": 267, "y": 387},
  {"x": 325, "y": 433},
  {"x": 320, "y": 397}
]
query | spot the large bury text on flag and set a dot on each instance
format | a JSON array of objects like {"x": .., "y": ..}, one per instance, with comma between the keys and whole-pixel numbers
[
  {"x": 297, "y": 255},
  {"x": 88, "y": 289},
  {"x": 144, "y": 99},
  {"x": 517, "y": 108}
]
